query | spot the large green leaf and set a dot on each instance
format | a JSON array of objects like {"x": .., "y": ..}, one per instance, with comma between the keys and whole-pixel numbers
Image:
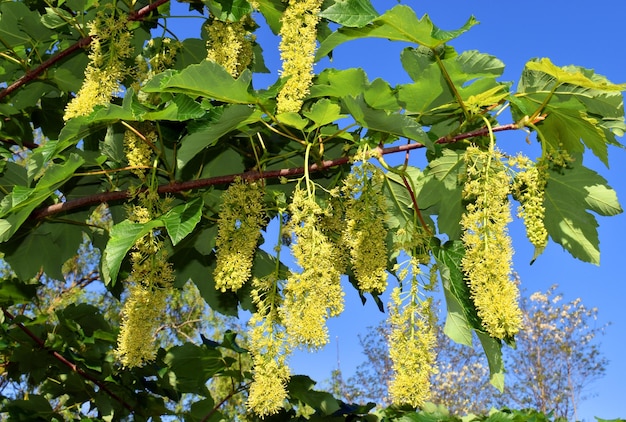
[
  {"x": 19, "y": 204},
  {"x": 493, "y": 351},
  {"x": 205, "y": 133},
  {"x": 461, "y": 316},
  {"x": 394, "y": 123},
  {"x": 122, "y": 237},
  {"x": 350, "y": 13},
  {"x": 398, "y": 24},
  {"x": 182, "y": 219},
  {"x": 569, "y": 194},
  {"x": 191, "y": 367},
  {"x": 58, "y": 241},
  {"x": 207, "y": 79},
  {"x": 441, "y": 194},
  {"x": 582, "y": 109},
  {"x": 324, "y": 112},
  {"x": 339, "y": 83}
]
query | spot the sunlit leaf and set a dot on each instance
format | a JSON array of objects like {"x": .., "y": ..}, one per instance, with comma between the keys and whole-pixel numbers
[{"x": 398, "y": 24}]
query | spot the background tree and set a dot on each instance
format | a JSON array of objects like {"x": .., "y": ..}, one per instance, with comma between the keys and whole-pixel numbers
[
  {"x": 557, "y": 356},
  {"x": 105, "y": 104}
]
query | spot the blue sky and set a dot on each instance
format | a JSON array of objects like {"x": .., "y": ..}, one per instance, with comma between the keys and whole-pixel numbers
[{"x": 589, "y": 34}]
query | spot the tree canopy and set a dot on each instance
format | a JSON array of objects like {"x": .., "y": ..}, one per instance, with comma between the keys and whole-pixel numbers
[{"x": 161, "y": 154}]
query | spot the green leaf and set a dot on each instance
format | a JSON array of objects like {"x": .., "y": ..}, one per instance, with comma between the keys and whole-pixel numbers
[
  {"x": 300, "y": 388},
  {"x": 582, "y": 109},
  {"x": 19, "y": 204},
  {"x": 56, "y": 18},
  {"x": 397, "y": 24},
  {"x": 379, "y": 95},
  {"x": 229, "y": 10},
  {"x": 191, "y": 366},
  {"x": 389, "y": 122},
  {"x": 493, "y": 351},
  {"x": 206, "y": 132},
  {"x": 572, "y": 75},
  {"x": 182, "y": 219},
  {"x": 181, "y": 108},
  {"x": 122, "y": 237},
  {"x": 441, "y": 194},
  {"x": 324, "y": 112},
  {"x": 15, "y": 291},
  {"x": 273, "y": 11},
  {"x": 207, "y": 79},
  {"x": 292, "y": 119},
  {"x": 59, "y": 241},
  {"x": 567, "y": 197},
  {"x": 339, "y": 83},
  {"x": 461, "y": 317},
  {"x": 350, "y": 13}
]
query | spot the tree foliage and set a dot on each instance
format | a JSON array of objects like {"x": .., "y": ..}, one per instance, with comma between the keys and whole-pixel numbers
[{"x": 162, "y": 152}]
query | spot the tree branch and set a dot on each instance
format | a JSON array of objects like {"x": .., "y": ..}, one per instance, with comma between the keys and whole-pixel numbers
[
  {"x": 83, "y": 42},
  {"x": 66, "y": 362},
  {"x": 250, "y": 175}
]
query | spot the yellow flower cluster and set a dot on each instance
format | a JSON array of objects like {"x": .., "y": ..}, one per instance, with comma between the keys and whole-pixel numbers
[
  {"x": 241, "y": 217},
  {"x": 230, "y": 45},
  {"x": 488, "y": 251},
  {"x": 138, "y": 151},
  {"x": 529, "y": 189},
  {"x": 297, "y": 49},
  {"x": 268, "y": 349},
  {"x": 150, "y": 281},
  {"x": 315, "y": 294},
  {"x": 412, "y": 341},
  {"x": 365, "y": 233},
  {"x": 110, "y": 47}
]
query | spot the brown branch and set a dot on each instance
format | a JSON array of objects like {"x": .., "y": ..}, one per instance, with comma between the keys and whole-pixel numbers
[
  {"x": 66, "y": 362},
  {"x": 29, "y": 145},
  {"x": 83, "y": 42},
  {"x": 178, "y": 187}
]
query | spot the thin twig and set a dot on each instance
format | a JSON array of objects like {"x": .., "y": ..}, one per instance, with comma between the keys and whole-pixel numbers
[
  {"x": 178, "y": 187},
  {"x": 66, "y": 362}
]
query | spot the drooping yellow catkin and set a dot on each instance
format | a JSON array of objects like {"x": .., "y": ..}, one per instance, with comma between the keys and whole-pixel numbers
[
  {"x": 314, "y": 294},
  {"x": 365, "y": 233},
  {"x": 488, "y": 251},
  {"x": 297, "y": 50},
  {"x": 150, "y": 284},
  {"x": 268, "y": 348},
  {"x": 239, "y": 228},
  {"x": 412, "y": 342},
  {"x": 109, "y": 49},
  {"x": 230, "y": 45},
  {"x": 529, "y": 189}
]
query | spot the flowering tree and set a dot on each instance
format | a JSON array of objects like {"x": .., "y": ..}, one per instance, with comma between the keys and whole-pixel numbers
[
  {"x": 556, "y": 357},
  {"x": 162, "y": 153}
]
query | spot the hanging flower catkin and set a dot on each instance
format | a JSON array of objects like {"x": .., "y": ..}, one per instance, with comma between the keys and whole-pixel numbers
[
  {"x": 150, "y": 284},
  {"x": 110, "y": 47},
  {"x": 412, "y": 342},
  {"x": 529, "y": 189},
  {"x": 314, "y": 294},
  {"x": 238, "y": 231},
  {"x": 488, "y": 251},
  {"x": 365, "y": 233},
  {"x": 230, "y": 45},
  {"x": 268, "y": 348},
  {"x": 297, "y": 50}
]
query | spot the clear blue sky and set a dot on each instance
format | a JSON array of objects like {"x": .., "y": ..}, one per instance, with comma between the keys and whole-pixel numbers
[{"x": 589, "y": 34}]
